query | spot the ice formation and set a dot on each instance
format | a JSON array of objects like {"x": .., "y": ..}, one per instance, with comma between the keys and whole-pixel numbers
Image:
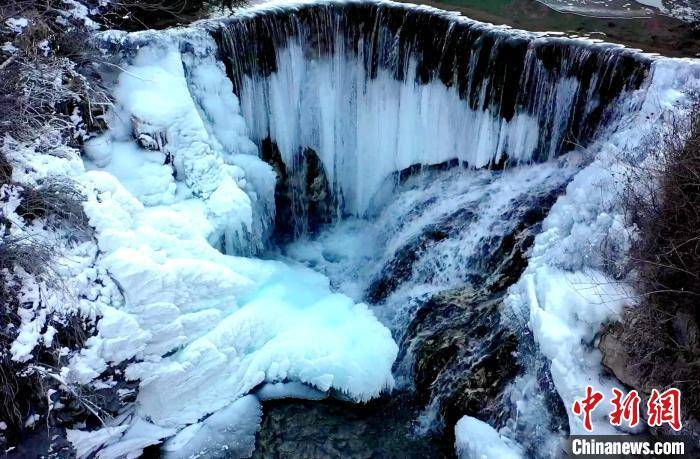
[
  {"x": 181, "y": 203},
  {"x": 376, "y": 87},
  {"x": 229, "y": 432},
  {"x": 171, "y": 185},
  {"x": 476, "y": 439},
  {"x": 565, "y": 291}
]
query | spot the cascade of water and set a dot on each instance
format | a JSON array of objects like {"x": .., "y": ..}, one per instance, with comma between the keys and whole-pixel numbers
[
  {"x": 345, "y": 101},
  {"x": 445, "y": 248}
]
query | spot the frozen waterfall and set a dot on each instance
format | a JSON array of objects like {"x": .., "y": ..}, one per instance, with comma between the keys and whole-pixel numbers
[
  {"x": 373, "y": 88},
  {"x": 289, "y": 122}
]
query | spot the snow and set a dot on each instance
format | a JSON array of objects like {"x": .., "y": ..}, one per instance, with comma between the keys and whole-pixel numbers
[
  {"x": 72, "y": 9},
  {"x": 9, "y": 48},
  {"x": 198, "y": 147},
  {"x": 685, "y": 10},
  {"x": 272, "y": 333},
  {"x": 565, "y": 294},
  {"x": 86, "y": 443},
  {"x": 17, "y": 25},
  {"x": 122, "y": 441},
  {"x": 474, "y": 439},
  {"x": 130, "y": 445}
]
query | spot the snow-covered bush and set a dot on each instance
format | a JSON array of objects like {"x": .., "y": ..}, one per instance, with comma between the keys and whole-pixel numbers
[
  {"x": 48, "y": 85},
  {"x": 28, "y": 278},
  {"x": 49, "y": 100},
  {"x": 59, "y": 202}
]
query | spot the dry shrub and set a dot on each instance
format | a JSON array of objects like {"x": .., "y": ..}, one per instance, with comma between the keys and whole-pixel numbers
[
  {"x": 17, "y": 255},
  {"x": 24, "y": 384},
  {"x": 151, "y": 14},
  {"x": 664, "y": 203},
  {"x": 50, "y": 76},
  {"x": 59, "y": 202},
  {"x": 158, "y": 14},
  {"x": 25, "y": 259},
  {"x": 660, "y": 336},
  {"x": 5, "y": 170}
]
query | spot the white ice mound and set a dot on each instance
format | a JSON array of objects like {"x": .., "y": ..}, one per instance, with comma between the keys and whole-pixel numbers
[
  {"x": 200, "y": 328},
  {"x": 474, "y": 439}
]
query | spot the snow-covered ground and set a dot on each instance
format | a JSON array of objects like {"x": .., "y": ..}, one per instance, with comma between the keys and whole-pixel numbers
[
  {"x": 476, "y": 439},
  {"x": 685, "y": 10}
]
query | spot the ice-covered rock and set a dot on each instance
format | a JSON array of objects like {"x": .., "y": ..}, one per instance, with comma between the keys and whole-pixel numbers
[
  {"x": 475, "y": 439},
  {"x": 228, "y": 433}
]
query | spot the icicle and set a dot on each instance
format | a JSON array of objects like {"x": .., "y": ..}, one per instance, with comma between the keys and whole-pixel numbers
[{"x": 375, "y": 87}]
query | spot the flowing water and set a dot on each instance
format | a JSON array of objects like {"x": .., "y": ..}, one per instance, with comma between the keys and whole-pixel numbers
[{"x": 435, "y": 263}]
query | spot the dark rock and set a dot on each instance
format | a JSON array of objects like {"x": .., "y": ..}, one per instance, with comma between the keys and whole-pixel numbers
[
  {"x": 148, "y": 136},
  {"x": 650, "y": 350},
  {"x": 303, "y": 198},
  {"x": 465, "y": 356},
  {"x": 400, "y": 267}
]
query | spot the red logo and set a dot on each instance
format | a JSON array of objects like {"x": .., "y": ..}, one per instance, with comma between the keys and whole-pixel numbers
[
  {"x": 626, "y": 408},
  {"x": 662, "y": 408},
  {"x": 665, "y": 408},
  {"x": 587, "y": 405}
]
